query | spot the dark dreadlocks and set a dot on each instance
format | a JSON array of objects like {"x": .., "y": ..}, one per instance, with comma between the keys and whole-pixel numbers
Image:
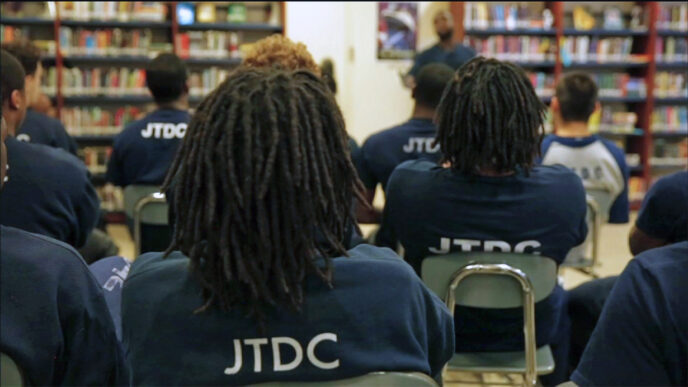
[
  {"x": 490, "y": 116},
  {"x": 264, "y": 168}
]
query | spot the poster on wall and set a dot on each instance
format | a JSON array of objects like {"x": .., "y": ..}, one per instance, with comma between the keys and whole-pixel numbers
[{"x": 396, "y": 30}]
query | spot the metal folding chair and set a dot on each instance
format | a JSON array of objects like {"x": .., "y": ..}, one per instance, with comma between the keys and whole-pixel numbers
[
  {"x": 496, "y": 280},
  {"x": 151, "y": 209},
  {"x": 578, "y": 257}
]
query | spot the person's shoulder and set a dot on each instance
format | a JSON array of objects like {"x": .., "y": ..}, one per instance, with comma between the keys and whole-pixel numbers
[
  {"x": 614, "y": 149},
  {"x": 51, "y": 122},
  {"x": 54, "y": 159},
  {"x": 428, "y": 51},
  {"x": 382, "y": 137},
  {"x": 38, "y": 249},
  {"x": 366, "y": 262},
  {"x": 154, "y": 263},
  {"x": 558, "y": 177},
  {"x": 676, "y": 180},
  {"x": 670, "y": 260}
]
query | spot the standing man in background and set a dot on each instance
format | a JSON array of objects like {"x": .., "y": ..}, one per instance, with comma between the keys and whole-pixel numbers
[
  {"x": 37, "y": 128},
  {"x": 445, "y": 51}
]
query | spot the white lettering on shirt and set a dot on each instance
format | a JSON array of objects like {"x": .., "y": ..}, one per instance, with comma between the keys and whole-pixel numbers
[
  {"x": 468, "y": 245},
  {"x": 421, "y": 145},
  {"x": 277, "y": 343},
  {"x": 164, "y": 130},
  {"x": 23, "y": 137}
]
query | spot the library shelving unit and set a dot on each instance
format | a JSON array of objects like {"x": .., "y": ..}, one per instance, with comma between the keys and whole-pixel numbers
[
  {"x": 661, "y": 130},
  {"x": 72, "y": 42}
]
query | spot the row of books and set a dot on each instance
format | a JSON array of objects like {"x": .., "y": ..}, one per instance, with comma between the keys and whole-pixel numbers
[
  {"x": 95, "y": 120},
  {"x": 673, "y": 17},
  {"x": 104, "y": 81},
  {"x": 613, "y": 119},
  {"x": 208, "y": 44},
  {"x": 671, "y": 49},
  {"x": 619, "y": 85},
  {"x": 110, "y": 42},
  {"x": 113, "y": 10},
  {"x": 95, "y": 158},
  {"x": 636, "y": 188},
  {"x": 12, "y": 33},
  {"x": 508, "y": 16},
  {"x": 594, "y": 49},
  {"x": 543, "y": 84},
  {"x": 670, "y": 119},
  {"x": 514, "y": 48},
  {"x": 201, "y": 83},
  {"x": 671, "y": 84},
  {"x": 235, "y": 12}
]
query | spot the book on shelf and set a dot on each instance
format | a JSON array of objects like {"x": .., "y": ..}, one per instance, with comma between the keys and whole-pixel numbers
[
  {"x": 673, "y": 17},
  {"x": 514, "y": 48},
  {"x": 594, "y": 49},
  {"x": 28, "y": 9},
  {"x": 613, "y": 118},
  {"x": 123, "y": 11},
  {"x": 636, "y": 188},
  {"x": 95, "y": 158},
  {"x": 619, "y": 85},
  {"x": 110, "y": 42},
  {"x": 97, "y": 121},
  {"x": 234, "y": 12},
  {"x": 509, "y": 16},
  {"x": 111, "y": 197},
  {"x": 543, "y": 83},
  {"x": 671, "y": 49},
  {"x": 201, "y": 83},
  {"x": 632, "y": 159},
  {"x": 49, "y": 81},
  {"x": 208, "y": 44},
  {"x": 12, "y": 33},
  {"x": 103, "y": 81},
  {"x": 670, "y": 119},
  {"x": 671, "y": 85},
  {"x": 669, "y": 153}
]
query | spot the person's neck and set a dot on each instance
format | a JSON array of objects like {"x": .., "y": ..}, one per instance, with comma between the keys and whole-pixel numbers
[
  {"x": 573, "y": 129},
  {"x": 180, "y": 104},
  {"x": 421, "y": 112},
  {"x": 446, "y": 44}
]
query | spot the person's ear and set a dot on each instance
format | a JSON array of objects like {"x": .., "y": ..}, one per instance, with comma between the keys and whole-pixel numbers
[{"x": 16, "y": 99}]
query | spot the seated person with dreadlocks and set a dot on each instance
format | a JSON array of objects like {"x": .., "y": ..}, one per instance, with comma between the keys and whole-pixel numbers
[
  {"x": 487, "y": 195},
  {"x": 412, "y": 140},
  {"x": 246, "y": 293},
  {"x": 599, "y": 162}
]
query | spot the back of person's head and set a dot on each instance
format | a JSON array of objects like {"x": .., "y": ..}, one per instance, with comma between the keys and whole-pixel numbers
[
  {"x": 576, "y": 95},
  {"x": 26, "y": 53},
  {"x": 490, "y": 117},
  {"x": 13, "y": 98},
  {"x": 166, "y": 78},
  {"x": 327, "y": 69},
  {"x": 262, "y": 173},
  {"x": 278, "y": 51},
  {"x": 430, "y": 84}
]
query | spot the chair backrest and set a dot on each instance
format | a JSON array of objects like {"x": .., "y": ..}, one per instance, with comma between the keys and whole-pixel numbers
[
  {"x": 152, "y": 209},
  {"x": 594, "y": 219},
  {"x": 490, "y": 291},
  {"x": 10, "y": 374},
  {"x": 134, "y": 193},
  {"x": 381, "y": 379}
]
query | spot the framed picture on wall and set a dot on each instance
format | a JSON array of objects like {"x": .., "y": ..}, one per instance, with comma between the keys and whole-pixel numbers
[{"x": 396, "y": 30}]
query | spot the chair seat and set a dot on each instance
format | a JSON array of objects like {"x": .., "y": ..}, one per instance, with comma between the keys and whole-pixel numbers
[{"x": 501, "y": 362}]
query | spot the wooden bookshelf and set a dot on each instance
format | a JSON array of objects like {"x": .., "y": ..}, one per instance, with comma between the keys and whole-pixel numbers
[{"x": 645, "y": 66}]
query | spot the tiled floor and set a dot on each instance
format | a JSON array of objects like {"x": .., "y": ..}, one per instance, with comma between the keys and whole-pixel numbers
[{"x": 614, "y": 255}]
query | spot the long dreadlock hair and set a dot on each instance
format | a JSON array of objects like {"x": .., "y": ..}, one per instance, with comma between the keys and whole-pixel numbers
[
  {"x": 263, "y": 169},
  {"x": 490, "y": 116}
]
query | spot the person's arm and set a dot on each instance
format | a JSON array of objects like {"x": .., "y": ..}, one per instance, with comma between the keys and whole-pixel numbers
[
  {"x": 626, "y": 347},
  {"x": 87, "y": 206},
  {"x": 115, "y": 173},
  {"x": 619, "y": 211},
  {"x": 440, "y": 328},
  {"x": 656, "y": 218},
  {"x": 92, "y": 354}
]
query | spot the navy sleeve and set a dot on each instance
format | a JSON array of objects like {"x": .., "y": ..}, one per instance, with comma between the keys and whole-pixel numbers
[
  {"x": 659, "y": 213},
  {"x": 440, "y": 326},
  {"x": 626, "y": 347},
  {"x": 114, "y": 173},
  {"x": 87, "y": 206},
  {"x": 618, "y": 213},
  {"x": 546, "y": 142},
  {"x": 386, "y": 234},
  {"x": 92, "y": 354},
  {"x": 363, "y": 165}
]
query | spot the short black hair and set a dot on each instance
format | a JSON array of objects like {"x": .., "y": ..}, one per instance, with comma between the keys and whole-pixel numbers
[
  {"x": 12, "y": 75},
  {"x": 26, "y": 53},
  {"x": 490, "y": 117},
  {"x": 577, "y": 95},
  {"x": 166, "y": 77},
  {"x": 430, "y": 84}
]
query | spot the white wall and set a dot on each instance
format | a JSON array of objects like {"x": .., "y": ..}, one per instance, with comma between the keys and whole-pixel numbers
[{"x": 371, "y": 94}]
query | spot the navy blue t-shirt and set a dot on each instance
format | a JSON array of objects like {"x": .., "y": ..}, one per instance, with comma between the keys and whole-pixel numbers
[
  {"x": 664, "y": 213},
  {"x": 365, "y": 323},
  {"x": 143, "y": 152},
  {"x": 641, "y": 338},
  {"x": 49, "y": 192},
  {"x": 433, "y": 210},
  {"x": 383, "y": 151},
  {"x": 110, "y": 274},
  {"x": 38, "y": 128},
  {"x": 599, "y": 162},
  {"x": 436, "y": 54},
  {"x": 55, "y": 324}
]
